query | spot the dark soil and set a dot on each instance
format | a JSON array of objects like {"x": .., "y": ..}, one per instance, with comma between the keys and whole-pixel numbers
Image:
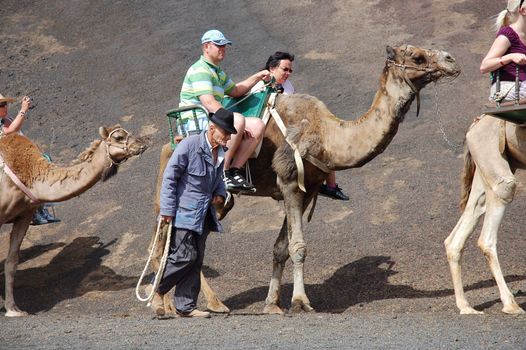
[{"x": 376, "y": 270}]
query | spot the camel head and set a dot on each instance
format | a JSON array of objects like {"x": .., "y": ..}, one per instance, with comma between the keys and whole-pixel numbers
[
  {"x": 419, "y": 67},
  {"x": 120, "y": 146}
]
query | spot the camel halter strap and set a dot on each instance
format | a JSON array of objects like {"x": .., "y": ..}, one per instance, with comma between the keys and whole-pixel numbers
[
  {"x": 162, "y": 264},
  {"x": 108, "y": 143},
  {"x": 297, "y": 156},
  {"x": 403, "y": 67},
  {"x": 18, "y": 183}
]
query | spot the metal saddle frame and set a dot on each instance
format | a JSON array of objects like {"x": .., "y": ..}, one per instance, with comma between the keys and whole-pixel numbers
[{"x": 511, "y": 111}]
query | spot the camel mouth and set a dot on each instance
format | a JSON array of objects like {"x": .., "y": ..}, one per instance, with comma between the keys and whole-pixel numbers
[
  {"x": 139, "y": 145},
  {"x": 447, "y": 75}
]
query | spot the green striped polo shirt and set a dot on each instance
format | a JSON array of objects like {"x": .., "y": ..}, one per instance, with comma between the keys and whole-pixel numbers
[{"x": 204, "y": 78}]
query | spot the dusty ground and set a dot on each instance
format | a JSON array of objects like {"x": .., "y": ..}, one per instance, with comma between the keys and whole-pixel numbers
[{"x": 376, "y": 270}]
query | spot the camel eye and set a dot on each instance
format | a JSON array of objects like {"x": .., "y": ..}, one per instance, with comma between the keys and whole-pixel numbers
[
  {"x": 118, "y": 137},
  {"x": 419, "y": 59}
]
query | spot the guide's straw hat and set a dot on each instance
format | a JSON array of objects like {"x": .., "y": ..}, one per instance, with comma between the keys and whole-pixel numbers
[{"x": 6, "y": 99}]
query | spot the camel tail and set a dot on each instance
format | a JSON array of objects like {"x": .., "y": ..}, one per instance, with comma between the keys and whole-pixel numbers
[{"x": 467, "y": 177}]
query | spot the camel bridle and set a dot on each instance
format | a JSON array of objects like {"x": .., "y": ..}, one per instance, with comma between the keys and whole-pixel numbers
[
  {"x": 403, "y": 66},
  {"x": 124, "y": 147}
]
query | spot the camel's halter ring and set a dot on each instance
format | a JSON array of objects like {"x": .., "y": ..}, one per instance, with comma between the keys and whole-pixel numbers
[{"x": 109, "y": 144}]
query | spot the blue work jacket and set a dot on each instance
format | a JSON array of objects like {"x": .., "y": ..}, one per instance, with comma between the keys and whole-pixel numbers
[{"x": 190, "y": 181}]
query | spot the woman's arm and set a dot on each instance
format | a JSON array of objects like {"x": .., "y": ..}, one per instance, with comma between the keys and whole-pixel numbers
[
  {"x": 17, "y": 123},
  {"x": 496, "y": 58}
]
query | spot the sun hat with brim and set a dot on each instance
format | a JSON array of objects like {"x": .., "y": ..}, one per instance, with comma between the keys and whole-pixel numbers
[
  {"x": 6, "y": 99},
  {"x": 224, "y": 119},
  {"x": 216, "y": 37}
]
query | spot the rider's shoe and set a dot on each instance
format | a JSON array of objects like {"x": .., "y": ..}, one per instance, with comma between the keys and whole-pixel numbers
[
  {"x": 48, "y": 216},
  {"x": 38, "y": 219},
  {"x": 234, "y": 181},
  {"x": 333, "y": 192}
]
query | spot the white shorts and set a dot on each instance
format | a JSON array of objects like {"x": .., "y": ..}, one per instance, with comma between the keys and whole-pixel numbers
[{"x": 507, "y": 91}]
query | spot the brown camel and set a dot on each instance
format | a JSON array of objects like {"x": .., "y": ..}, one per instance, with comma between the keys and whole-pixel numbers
[
  {"x": 337, "y": 145},
  {"x": 50, "y": 183},
  {"x": 494, "y": 150}
]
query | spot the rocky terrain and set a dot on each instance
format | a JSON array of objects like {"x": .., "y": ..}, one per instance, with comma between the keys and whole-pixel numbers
[{"x": 376, "y": 270}]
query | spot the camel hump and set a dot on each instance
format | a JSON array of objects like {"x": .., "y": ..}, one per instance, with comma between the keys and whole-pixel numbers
[{"x": 23, "y": 157}]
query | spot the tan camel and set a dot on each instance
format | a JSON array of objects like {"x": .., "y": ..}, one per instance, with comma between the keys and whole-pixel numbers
[
  {"x": 337, "y": 144},
  {"x": 494, "y": 150},
  {"x": 50, "y": 183}
]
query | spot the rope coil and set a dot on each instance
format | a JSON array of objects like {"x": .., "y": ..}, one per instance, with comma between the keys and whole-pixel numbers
[{"x": 162, "y": 264}]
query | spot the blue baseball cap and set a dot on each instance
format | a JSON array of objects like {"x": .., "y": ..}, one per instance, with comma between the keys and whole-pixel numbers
[{"x": 216, "y": 37}]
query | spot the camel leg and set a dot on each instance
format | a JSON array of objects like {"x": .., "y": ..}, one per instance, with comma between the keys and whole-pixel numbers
[
  {"x": 500, "y": 185},
  {"x": 488, "y": 244},
  {"x": 214, "y": 304},
  {"x": 17, "y": 235},
  {"x": 293, "y": 200},
  {"x": 456, "y": 240},
  {"x": 281, "y": 254}
]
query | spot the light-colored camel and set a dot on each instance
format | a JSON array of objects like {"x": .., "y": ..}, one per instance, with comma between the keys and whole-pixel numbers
[
  {"x": 50, "y": 183},
  {"x": 494, "y": 150},
  {"x": 337, "y": 144}
]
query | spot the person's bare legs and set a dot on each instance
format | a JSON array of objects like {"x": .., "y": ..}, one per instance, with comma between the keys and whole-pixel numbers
[
  {"x": 240, "y": 147},
  {"x": 254, "y": 131},
  {"x": 331, "y": 179},
  {"x": 235, "y": 139}
]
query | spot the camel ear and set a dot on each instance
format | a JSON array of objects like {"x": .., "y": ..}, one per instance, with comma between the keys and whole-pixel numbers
[
  {"x": 103, "y": 132},
  {"x": 390, "y": 53}
]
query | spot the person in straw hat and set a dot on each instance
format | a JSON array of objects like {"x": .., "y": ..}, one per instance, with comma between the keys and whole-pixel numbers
[{"x": 10, "y": 126}]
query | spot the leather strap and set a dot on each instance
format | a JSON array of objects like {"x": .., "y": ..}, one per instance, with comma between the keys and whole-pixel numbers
[{"x": 18, "y": 183}]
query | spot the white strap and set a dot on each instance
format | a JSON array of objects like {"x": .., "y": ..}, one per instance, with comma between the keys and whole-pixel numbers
[
  {"x": 18, "y": 183},
  {"x": 297, "y": 156}
]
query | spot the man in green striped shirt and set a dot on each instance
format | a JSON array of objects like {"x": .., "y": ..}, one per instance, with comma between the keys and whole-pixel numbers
[{"x": 206, "y": 84}]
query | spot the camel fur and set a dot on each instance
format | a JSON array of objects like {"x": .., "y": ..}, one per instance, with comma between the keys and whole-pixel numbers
[
  {"x": 50, "y": 183},
  {"x": 338, "y": 144},
  {"x": 488, "y": 186}
]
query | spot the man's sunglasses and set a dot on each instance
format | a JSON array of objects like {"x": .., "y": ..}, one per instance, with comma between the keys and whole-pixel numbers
[{"x": 3, "y": 104}]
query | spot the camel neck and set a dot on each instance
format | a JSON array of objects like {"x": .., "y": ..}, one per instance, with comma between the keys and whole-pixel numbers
[
  {"x": 351, "y": 144},
  {"x": 59, "y": 184}
]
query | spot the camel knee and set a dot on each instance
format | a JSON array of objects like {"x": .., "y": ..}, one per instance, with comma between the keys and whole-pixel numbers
[
  {"x": 298, "y": 252},
  {"x": 505, "y": 188},
  {"x": 453, "y": 255},
  {"x": 489, "y": 249}
]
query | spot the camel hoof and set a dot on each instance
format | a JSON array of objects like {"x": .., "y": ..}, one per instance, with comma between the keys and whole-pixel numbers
[
  {"x": 299, "y": 306},
  {"x": 157, "y": 305},
  {"x": 169, "y": 306},
  {"x": 513, "y": 309},
  {"x": 218, "y": 307},
  {"x": 16, "y": 313},
  {"x": 273, "y": 309},
  {"x": 470, "y": 311}
]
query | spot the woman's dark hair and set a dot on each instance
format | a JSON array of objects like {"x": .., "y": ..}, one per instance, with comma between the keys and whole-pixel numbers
[{"x": 273, "y": 60}]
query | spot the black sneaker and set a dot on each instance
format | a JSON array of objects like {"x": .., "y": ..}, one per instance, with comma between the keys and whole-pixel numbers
[
  {"x": 234, "y": 181},
  {"x": 334, "y": 193}
]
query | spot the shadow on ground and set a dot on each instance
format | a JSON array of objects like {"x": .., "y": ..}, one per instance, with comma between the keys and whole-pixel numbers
[
  {"x": 76, "y": 270},
  {"x": 362, "y": 281}
]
